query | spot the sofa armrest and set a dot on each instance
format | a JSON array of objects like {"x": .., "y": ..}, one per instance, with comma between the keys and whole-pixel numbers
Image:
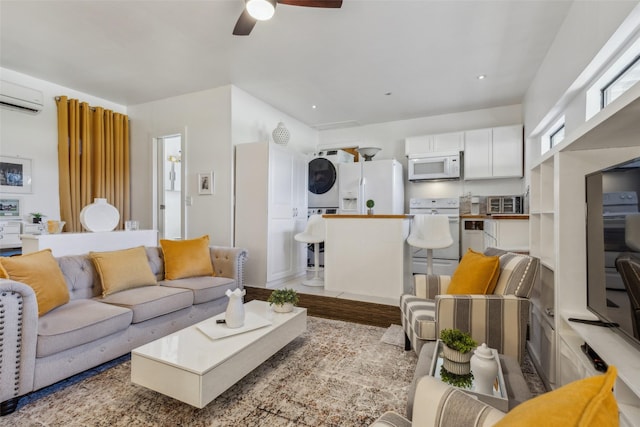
[
  {"x": 500, "y": 321},
  {"x": 229, "y": 262},
  {"x": 438, "y": 404},
  {"x": 427, "y": 286},
  {"x": 18, "y": 337}
]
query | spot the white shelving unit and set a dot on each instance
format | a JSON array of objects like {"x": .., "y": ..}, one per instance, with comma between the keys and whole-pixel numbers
[{"x": 557, "y": 235}]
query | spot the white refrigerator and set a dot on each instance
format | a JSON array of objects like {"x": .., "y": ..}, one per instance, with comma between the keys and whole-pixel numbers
[{"x": 377, "y": 180}]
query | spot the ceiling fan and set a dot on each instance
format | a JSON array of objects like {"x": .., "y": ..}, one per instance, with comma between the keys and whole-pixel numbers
[{"x": 262, "y": 10}]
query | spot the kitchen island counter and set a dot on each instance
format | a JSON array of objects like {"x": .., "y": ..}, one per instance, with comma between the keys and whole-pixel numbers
[{"x": 367, "y": 255}]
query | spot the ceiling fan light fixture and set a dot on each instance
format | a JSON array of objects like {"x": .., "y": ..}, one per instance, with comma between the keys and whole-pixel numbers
[{"x": 262, "y": 10}]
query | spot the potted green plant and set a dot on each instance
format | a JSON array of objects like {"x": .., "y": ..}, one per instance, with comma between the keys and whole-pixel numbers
[
  {"x": 37, "y": 217},
  {"x": 457, "y": 346},
  {"x": 370, "y": 205},
  {"x": 456, "y": 380},
  {"x": 283, "y": 300}
]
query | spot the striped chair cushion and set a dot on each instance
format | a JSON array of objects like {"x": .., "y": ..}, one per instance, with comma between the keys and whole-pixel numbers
[
  {"x": 438, "y": 404},
  {"x": 517, "y": 273}
]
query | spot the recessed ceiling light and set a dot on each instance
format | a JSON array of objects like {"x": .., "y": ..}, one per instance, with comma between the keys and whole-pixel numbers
[
  {"x": 314, "y": 106},
  {"x": 482, "y": 77}
]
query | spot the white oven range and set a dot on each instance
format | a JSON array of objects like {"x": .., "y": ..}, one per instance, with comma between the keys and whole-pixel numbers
[{"x": 445, "y": 260}]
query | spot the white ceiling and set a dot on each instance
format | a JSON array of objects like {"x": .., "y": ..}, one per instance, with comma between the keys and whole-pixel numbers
[{"x": 426, "y": 53}]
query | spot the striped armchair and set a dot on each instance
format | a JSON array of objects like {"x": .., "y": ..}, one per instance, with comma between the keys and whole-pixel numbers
[
  {"x": 442, "y": 405},
  {"x": 499, "y": 319}
]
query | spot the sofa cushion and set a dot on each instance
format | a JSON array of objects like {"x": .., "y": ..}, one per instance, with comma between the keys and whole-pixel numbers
[
  {"x": 41, "y": 272},
  {"x": 123, "y": 269},
  {"x": 78, "y": 322},
  {"x": 476, "y": 274},
  {"x": 186, "y": 258},
  {"x": 150, "y": 301},
  {"x": 205, "y": 288},
  {"x": 586, "y": 402}
]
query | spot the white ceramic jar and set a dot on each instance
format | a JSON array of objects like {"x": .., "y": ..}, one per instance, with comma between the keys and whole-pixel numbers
[{"x": 484, "y": 368}]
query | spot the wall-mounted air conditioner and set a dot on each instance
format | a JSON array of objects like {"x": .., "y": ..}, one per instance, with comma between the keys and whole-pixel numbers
[{"x": 21, "y": 98}]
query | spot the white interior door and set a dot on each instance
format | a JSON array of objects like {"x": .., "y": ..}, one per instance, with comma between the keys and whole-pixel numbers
[{"x": 170, "y": 179}]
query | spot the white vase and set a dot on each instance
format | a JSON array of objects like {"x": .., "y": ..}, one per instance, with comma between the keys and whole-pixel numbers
[
  {"x": 281, "y": 134},
  {"x": 287, "y": 307},
  {"x": 484, "y": 368},
  {"x": 234, "y": 316},
  {"x": 99, "y": 216}
]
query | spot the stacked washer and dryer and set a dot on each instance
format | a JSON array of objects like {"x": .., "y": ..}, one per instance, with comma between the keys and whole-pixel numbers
[{"x": 323, "y": 187}]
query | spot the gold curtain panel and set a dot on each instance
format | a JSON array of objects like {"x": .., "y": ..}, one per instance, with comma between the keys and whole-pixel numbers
[{"x": 93, "y": 160}]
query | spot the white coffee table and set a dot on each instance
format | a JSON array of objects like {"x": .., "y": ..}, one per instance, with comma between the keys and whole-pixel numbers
[{"x": 193, "y": 368}]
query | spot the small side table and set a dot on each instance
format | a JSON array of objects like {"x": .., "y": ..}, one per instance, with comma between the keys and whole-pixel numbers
[
  {"x": 498, "y": 399},
  {"x": 517, "y": 388}
]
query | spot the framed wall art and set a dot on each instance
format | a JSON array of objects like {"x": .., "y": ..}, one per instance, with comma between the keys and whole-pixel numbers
[
  {"x": 9, "y": 208},
  {"x": 15, "y": 175},
  {"x": 205, "y": 183}
]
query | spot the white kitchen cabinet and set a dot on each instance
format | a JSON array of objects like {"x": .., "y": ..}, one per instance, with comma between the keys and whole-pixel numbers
[
  {"x": 507, "y": 234},
  {"x": 493, "y": 153},
  {"x": 10, "y": 234},
  {"x": 452, "y": 142},
  {"x": 271, "y": 193}
]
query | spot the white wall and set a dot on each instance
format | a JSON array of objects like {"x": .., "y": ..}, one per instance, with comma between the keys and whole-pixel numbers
[
  {"x": 204, "y": 119},
  {"x": 585, "y": 30},
  {"x": 390, "y": 137},
  {"x": 35, "y": 137},
  {"x": 253, "y": 120},
  {"x": 213, "y": 121}
]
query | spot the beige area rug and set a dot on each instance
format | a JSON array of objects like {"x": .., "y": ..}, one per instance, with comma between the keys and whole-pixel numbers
[{"x": 335, "y": 374}]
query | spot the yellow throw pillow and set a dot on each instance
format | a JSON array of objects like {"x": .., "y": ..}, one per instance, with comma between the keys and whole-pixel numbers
[
  {"x": 186, "y": 258},
  {"x": 41, "y": 271},
  {"x": 3, "y": 272},
  {"x": 582, "y": 403},
  {"x": 476, "y": 274},
  {"x": 123, "y": 269}
]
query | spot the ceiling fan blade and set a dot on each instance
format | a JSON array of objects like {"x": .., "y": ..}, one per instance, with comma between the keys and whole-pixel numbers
[
  {"x": 313, "y": 3},
  {"x": 244, "y": 25}
]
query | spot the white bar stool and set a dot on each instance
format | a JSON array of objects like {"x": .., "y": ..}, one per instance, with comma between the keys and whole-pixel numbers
[
  {"x": 314, "y": 233},
  {"x": 430, "y": 232}
]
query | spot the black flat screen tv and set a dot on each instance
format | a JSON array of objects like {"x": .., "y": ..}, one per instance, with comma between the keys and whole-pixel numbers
[{"x": 611, "y": 196}]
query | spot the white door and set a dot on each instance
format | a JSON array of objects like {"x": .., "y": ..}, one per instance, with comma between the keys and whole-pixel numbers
[
  {"x": 281, "y": 213},
  {"x": 300, "y": 193},
  {"x": 349, "y": 188},
  {"x": 477, "y": 154},
  {"x": 507, "y": 151},
  {"x": 169, "y": 180}
]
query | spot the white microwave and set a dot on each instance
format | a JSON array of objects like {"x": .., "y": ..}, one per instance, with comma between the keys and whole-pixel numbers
[{"x": 423, "y": 168}]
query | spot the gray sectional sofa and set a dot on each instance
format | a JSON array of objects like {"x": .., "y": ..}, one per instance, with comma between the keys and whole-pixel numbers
[{"x": 90, "y": 329}]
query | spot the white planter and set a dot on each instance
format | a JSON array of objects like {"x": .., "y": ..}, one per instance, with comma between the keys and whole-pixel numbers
[
  {"x": 456, "y": 356},
  {"x": 283, "y": 308}
]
